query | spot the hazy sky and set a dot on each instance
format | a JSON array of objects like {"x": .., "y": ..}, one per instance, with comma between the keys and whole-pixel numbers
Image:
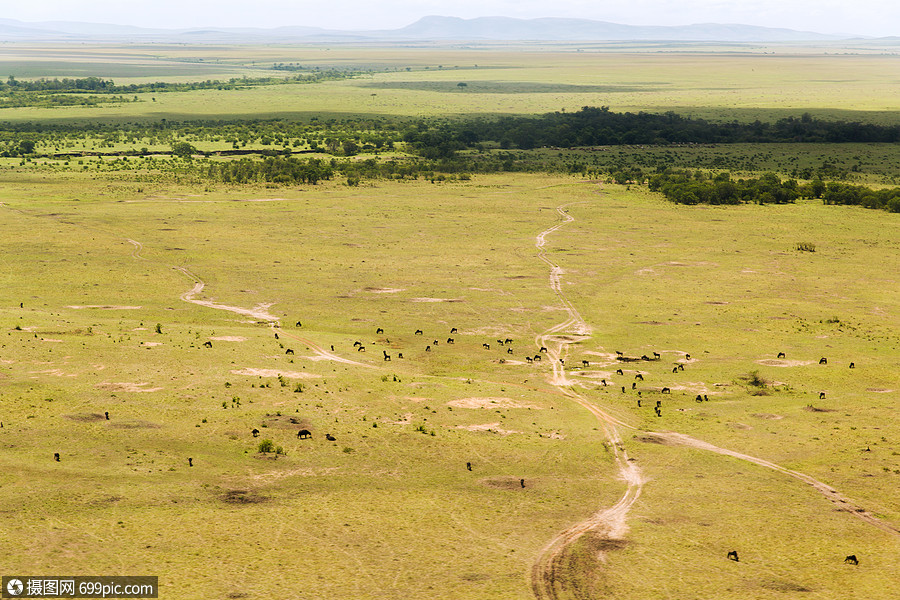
[{"x": 866, "y": 17}]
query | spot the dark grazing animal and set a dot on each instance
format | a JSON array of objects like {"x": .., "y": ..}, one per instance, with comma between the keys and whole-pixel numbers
[
  {"x": 427, "y": 348},
  {"x": 379, "y": 330},
  {"x": 450, "y": 340},
  {"x": 418, "y": 332},
  {"x": 781, "y": 355},
  {"x": 537, "y": 357},
  {"x": 639, "y": 376},
  {"x": 823, "y": 361},
  {"x": 469, "y": 466},
  {"x": 585, "y": 363},
  {"x": 361, "y": 348},
  {"x": 509, "y": 351},
  {"x": 434, "y": 343},
  {"x": 453, "y": 330},
  {"x": 666, "y": 390},
  {"x": 821, "y": 395},
  {"x": 656, "y": 355},
  {"x": 106, "y": 414},
  {"x": 486, "y": 346},
  {"x": 851, "y": 560},
  {"x": 207, "y": 344},
  {"x": 699, "y": 398},
  {"x": 299, "y": 324},
  {"x": 330, "y": 437},
  {"x": 190, "y": 462},
  {"x": 399, "y": 355},
  {"x": 522, "y": 481},
  {"x": 529, "y": 359},
  {"x": 288, "y": 351},
  {"x": 255, "y": 432},
  {"x": 276, "y": 336},
  {"x": 303, "y": 434},
  {"x": 620, "y": 372},
  {"x": 733, "y": 556},
  {"x": 387, "y": 356},
  {"x": 852, "y": 366},
  {"x": 543, "y": 349},
  {"x": 56, "y": 456}
]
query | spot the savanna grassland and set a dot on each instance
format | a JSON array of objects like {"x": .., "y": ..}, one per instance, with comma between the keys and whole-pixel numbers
[{"x": 195, "y": 310}]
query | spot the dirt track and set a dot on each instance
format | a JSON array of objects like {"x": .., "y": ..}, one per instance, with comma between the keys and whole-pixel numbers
[{"x": 548, "y": 572}]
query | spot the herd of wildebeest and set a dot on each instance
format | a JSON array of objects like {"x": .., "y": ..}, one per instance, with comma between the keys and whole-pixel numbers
[{"x": 505, "y": 342}]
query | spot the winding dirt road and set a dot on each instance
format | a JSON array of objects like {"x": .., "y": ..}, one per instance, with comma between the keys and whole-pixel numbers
[{"x": 548, "y": 572}]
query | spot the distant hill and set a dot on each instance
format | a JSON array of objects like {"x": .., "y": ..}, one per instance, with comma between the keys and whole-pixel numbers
[{"x": 431, "y": 28}]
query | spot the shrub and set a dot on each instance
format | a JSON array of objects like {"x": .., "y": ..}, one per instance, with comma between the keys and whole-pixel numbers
[
  {"x": 266, "y": 446},
  {"x": 806, "y": 247}
]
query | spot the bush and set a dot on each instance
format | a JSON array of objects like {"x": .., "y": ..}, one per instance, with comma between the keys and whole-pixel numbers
[
  {"x": 266, "y": 446},
  {"x": 806, "y": 247}
]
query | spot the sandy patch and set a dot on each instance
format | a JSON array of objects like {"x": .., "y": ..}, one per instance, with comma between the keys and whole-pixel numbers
[
  {"x": 151, "y": 344},
  {"x": 435, "y": 300},
  {"x": 50, "y": 340},
  {"x": 740, "y": 426},
  {"x": 308, "y": 472},
  {"x": 513, "y": 362},
  {"x": 105, "y": 307},
  {"x": 126, "y": 387},
  {"x": 86, "y": 417},
  {"x": 780, "y": 362},
  {"x": 374, "y": 290},
  {"x": 694, "y": 387},
  {"x": 879, "y": 390},
  {"x": 54, "y": 372},
  {"x": 273, "y": 373},
  {"x": 767, "y": 416},
  {"x": 594, "y": 374},
  {"x": 228, "y": 338},
  {"x": 488, "y": 403},
  {"x": 489, "y": 427}
]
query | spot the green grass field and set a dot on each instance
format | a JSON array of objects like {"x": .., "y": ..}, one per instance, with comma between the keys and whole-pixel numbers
[
  {"x": 102, "y": 311},
  {"x": 387, "y": 510}
]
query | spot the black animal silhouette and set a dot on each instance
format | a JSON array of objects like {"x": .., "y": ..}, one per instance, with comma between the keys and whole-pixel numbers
[
  {"x": 361, "y": 348},
  {"x": 620, "y": 372},
  {"x": 207, "y": 344},
  {"x": 537, "y": 357},
  {"x": 522, "y": 482},
  {"x": 639, "y": 376},
  {"x": 543, "y": 349},
  {"x": 529, "y": 359},
  {"x": 56, "y": 456},
  {"x": 106, "y": 414},
  {"x": 379, "y": 330},
  {"x": 656, "y": 355},
  {"x": 469, "y": 466},
  {"x": 453, "y": 330},
  {"x": 781, "y": 355},
  {"x": 387, "y": 356},
  {"x": 299, "y": 324},
  {"x": 823, "y": 361},
  {"x": 821, "y": 395},
  {"x": 418, "y": 332},
  {"x": 255, "y": 432},
  {"x": 852, "y": 560},
  {"x": 303, "y": 434},
  {"x": 288, "y": 351},
  {"x": 486, "y": 346},
  {"x": 190, "y": 462},
  {"x": 852, "y": 366},
  {"x": 330, "y": 437},
  {"x": 733, "y": 555},
  {"x": 585, "y": 363},
  {"x": 666, "y": 390},
  {"x": 450, "y": 340}
]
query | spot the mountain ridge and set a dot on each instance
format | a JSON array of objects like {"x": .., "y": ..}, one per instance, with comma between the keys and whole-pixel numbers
[{"x": 428, "y": 28}]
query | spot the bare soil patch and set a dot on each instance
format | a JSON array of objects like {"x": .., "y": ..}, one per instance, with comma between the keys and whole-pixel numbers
[
  {"x": 767, "y": 416},
  {"x": 374, "y": 290},
  {"x": 228, "y": 338},
  {"x": 243, "y": 497},
  {"x": 436, "y": 300},
  {"x": 106, "y": 307},
  {"x": 780, "y": 362},
  {"x": 488, "y": 427},
  {"x": 879, "y": 390},
  {"x": 507, "y": 482},
  {"x": 85, "y": 417},
  {"x": 273, "y": 373},
  {"x": 126, "y": 387},
  {"x": 812, "y": 408},
  {"x": 488, "y": 402}
]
